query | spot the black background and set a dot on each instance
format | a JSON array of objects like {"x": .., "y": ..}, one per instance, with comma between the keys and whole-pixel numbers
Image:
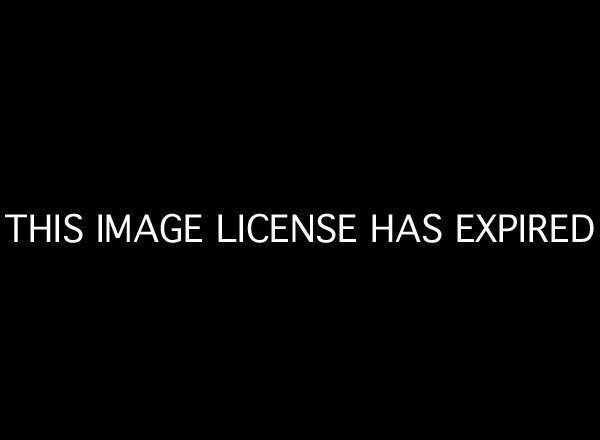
[{"x": 386, "y": 112}]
